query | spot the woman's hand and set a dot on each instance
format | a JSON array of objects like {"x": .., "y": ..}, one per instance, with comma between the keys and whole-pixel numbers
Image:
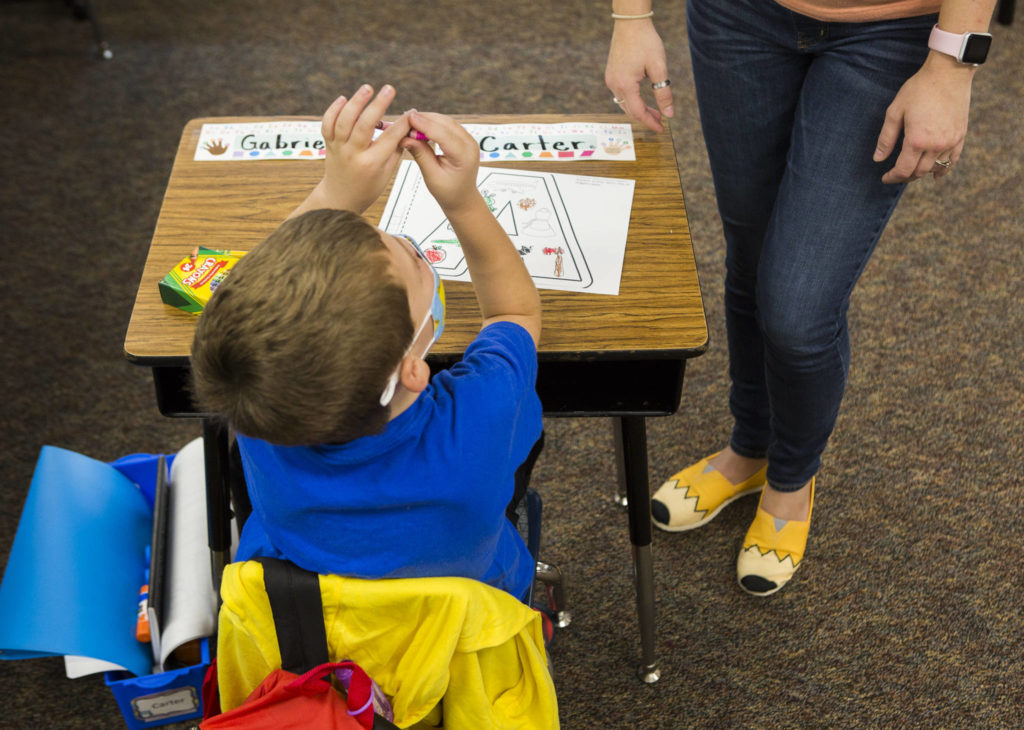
[
  {"x": 931, "y": 111},
  {"x": 637, "y": 53}
]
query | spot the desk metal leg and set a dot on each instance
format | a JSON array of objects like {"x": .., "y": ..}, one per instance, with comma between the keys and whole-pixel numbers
[
  {"x": 620, "y": 465},
  {"x": 634, "y": 459},
  {"x": 218, "y": 510}
]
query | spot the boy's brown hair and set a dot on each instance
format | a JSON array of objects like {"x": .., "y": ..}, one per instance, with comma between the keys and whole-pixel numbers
[{"x": 298, "y": 342}]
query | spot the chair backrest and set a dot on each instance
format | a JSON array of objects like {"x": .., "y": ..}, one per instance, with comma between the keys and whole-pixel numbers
[{"x": 456, "y": 644}]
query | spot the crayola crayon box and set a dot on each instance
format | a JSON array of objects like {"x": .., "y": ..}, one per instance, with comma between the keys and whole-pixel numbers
[{"x": 191, "y": 283}]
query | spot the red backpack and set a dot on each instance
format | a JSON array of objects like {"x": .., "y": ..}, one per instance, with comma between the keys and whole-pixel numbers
[{"x": 297, "y": 695}]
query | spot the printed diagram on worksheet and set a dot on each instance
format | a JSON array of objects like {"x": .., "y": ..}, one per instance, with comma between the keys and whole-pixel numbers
[
  {"x": 570, "y": 230},
  {"x": 531, "y": 211}
]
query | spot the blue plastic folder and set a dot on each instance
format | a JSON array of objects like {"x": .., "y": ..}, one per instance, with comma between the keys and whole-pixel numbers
[{"x": 73, "y": 575}]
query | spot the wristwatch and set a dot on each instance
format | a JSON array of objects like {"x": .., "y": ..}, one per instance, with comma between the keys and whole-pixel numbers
[{"x": 967, "y": 48}]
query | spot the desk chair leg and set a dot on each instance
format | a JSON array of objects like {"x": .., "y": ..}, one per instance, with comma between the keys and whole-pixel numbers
[
  {"x": 83, "y": 10},
  {"x": 551, "y": 577},
  {"x": 620, "y": 465},
  {"x": 634, "y": 452},
  {"x": 241, "y": 506},
  {"x": 218, "y": 510}
]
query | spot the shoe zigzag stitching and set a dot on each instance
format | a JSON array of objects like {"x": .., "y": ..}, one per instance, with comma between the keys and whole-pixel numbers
[
  {"x": 686, "y": 496},
  {"x": 766, "y": 551}
]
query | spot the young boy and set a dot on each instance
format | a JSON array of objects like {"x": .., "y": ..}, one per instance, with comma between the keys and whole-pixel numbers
[{"x": 357, "y": 463}]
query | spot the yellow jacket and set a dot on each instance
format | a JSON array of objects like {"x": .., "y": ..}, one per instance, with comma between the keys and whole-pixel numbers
[{"x": 473, "y": 649}]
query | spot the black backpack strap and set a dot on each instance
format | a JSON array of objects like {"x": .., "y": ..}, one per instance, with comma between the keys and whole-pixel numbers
[
  {"x": 298, "y": 614},
  {"x": 297, "y": 607}
]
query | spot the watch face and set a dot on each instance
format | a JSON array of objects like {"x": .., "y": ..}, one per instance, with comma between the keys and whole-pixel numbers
[{"x": 976, "y": 48}]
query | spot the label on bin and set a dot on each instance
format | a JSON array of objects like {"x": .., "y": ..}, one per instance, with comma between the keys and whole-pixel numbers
[{"x": 177, "y": 701}]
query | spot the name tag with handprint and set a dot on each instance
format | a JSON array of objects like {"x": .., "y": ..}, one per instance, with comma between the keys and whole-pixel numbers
[
  {"x": 301, "y": 140},
  {"x": 553, "y": 142},
  {"x": 285, "y": 140}
]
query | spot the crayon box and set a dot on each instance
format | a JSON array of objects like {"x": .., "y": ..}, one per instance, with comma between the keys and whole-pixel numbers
[{"x": 191, "y": 283}]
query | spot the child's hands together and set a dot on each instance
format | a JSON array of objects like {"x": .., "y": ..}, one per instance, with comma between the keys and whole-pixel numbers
[
  {"x": 359, "y": 167},
  {"x": 451, "y": 177}
]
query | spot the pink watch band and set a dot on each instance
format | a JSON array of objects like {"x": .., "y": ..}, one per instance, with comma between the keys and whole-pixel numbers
[{"x": 945, "y": 42}]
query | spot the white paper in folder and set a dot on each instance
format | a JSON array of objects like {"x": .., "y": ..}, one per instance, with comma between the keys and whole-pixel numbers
[{"x": 190, "y": 609}]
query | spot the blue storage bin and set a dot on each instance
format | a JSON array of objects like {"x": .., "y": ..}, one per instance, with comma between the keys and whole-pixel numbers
[
  {"x": 83, "y": 501},
  {"x": 159, "y": 699},
  {"x": 173, "y": 696}
]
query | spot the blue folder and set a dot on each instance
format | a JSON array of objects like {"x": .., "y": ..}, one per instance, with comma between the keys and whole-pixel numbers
[{"x": 73, "y": 576}]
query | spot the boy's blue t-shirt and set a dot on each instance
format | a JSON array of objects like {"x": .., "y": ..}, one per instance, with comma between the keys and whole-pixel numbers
[{"x": 427, "y": 496}]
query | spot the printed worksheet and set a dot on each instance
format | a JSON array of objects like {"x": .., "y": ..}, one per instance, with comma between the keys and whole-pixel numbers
[{"x": 570, "y": 230}]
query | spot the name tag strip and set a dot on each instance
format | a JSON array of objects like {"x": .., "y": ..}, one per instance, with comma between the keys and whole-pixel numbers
[{"x": 301, "y": 140}]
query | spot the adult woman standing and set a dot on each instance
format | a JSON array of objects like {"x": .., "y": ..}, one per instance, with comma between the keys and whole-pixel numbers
[{"x": 816, "y": 114}]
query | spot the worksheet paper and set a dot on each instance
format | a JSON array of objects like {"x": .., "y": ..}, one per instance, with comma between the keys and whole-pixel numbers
[
  {"x": 301, "y": 140},
  {"x": 191, "y": 604},
  {"x": 570, "y": 230}
]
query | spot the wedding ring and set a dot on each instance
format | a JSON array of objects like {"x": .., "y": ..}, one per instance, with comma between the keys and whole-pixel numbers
[
  {"x": 661, "y": 84},
  {"x": 617, "y": 100},
  {"x": 944, "y": 163}
]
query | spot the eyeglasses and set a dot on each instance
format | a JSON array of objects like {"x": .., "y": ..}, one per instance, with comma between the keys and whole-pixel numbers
[{"x": 435, "y": 314}]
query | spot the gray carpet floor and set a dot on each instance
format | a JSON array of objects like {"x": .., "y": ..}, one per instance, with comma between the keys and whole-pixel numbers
[{"x": 907, "y": 612}]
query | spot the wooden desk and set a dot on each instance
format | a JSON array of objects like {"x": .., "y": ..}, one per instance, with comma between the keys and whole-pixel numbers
[{"x": 621, "y": 356}]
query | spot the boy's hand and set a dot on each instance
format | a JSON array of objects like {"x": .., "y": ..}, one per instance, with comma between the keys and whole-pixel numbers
[
  {"x": 358, "y": 167},
  {"x": 451, "y": 177},
  {"x": 502, "y": 284}
]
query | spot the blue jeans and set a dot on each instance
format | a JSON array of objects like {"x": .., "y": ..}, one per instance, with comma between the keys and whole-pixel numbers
[{"x": 791, "y": 108}]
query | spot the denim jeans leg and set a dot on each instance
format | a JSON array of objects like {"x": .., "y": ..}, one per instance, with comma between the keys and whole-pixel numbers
[
  {"x": 795, "y": 250},
  {"x": 747, "y": 85}
]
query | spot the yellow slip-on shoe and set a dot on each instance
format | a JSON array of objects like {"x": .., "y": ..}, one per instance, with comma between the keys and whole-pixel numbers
[
  {"x": 694, "y": 496},
  {"x": 772, "y": 551}
]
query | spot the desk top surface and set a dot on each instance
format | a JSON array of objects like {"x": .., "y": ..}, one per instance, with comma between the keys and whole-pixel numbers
[{"x": 658, "y": 312}]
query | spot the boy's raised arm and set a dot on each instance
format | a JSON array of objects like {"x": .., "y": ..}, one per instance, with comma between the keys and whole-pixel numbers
[
  {"x": 358, "y": 168},
  {"x": 502, "y": 284}
]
